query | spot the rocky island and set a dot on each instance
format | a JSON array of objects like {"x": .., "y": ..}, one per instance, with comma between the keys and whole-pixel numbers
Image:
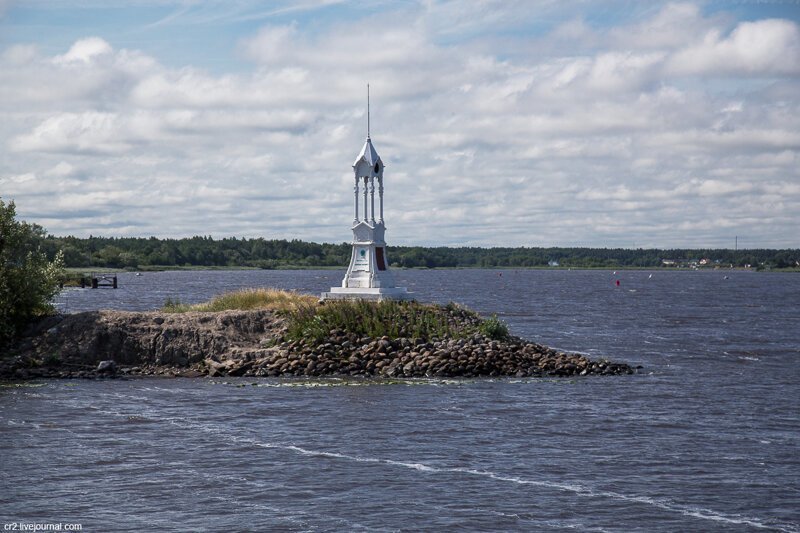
[{"x": 274, "y": 333}]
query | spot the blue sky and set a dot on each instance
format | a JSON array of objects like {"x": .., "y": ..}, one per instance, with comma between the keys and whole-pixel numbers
[{"x": 528, "y": 123}]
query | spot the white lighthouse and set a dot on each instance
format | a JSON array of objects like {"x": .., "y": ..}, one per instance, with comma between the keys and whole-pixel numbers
[{"x": 368, "y": 275}]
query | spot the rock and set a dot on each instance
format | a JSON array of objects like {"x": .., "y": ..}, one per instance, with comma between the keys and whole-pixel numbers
[
  {"x": 107, "y": 367},
  {"x": 241, "y": 369},
  {"x": 214, "y": 368}
]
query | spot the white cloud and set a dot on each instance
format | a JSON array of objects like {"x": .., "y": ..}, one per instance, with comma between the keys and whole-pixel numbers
[
  {"x": 765, "y": 47},
  {"x": 622, "y": 72},
  {"x": 618, "y": 137},
  {"x": 670, "y": 28},
  {"x": 85, "y": 51},
  {"x": 19, "y": 54},
  {"x": 84, "y": 133},
  {"x": 719, "y": 187},
  {"x": 61, "y": 169},
  {"x": 271, "y": 44}
]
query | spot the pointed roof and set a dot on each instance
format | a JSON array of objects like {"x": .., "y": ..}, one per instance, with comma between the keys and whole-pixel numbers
[{"x": 368, "y": 154}]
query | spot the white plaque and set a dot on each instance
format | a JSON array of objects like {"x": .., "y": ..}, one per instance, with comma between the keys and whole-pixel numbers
[{"x": 362, "y": 261}]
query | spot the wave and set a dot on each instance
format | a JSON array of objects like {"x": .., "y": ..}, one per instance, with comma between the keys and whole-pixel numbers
[{"x": 577, "y": 489}]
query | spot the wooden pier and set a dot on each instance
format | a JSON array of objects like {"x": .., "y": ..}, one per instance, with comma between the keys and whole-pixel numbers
[{"x": 101, "y": 280}]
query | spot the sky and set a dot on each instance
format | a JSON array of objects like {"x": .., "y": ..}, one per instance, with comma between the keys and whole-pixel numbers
[{"x": 501, "y": 123}]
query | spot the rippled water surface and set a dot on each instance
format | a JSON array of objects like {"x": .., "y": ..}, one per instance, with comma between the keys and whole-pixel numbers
[{"x": 706, "y": 438}]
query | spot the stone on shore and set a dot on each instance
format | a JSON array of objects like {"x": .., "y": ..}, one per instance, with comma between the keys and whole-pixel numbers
[{"x": 107, "y": 367}]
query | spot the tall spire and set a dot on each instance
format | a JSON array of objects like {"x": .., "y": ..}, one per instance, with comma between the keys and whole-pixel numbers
[
  {"x": 368, "y": 154},
  {"x": 368, "y": 276}
]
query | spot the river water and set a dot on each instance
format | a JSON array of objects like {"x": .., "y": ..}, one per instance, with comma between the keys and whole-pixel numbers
[{"x": 705, "y": 438}]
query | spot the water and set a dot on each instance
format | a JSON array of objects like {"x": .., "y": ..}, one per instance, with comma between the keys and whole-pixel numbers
[{"x": 704, "y": 439}]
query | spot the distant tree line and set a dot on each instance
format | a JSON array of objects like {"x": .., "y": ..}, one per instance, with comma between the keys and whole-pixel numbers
[{"x": 130, "y": 252}]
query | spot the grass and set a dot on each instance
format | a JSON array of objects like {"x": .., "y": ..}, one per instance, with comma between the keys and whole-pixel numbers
[
  {"x": 310, "y": 320},
  {"x": 388, "y": 318},
  {"x": 368, "y": 319},
  {"x": 246, "y": 299}
]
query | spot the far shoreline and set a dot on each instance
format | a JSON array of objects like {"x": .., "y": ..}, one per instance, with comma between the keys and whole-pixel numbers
[
  {"x": 74, "y": 274},
  {"x": 189, "y": 268}
]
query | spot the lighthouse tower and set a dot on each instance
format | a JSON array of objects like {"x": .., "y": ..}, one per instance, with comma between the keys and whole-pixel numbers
[{"x": 368, "y": 276}]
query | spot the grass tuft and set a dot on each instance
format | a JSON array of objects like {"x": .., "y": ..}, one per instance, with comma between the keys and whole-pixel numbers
[{"x": 245, "y": 300}]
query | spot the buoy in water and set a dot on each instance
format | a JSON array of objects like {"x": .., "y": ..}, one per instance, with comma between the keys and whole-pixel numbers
[{"x": 617, "y": 283}]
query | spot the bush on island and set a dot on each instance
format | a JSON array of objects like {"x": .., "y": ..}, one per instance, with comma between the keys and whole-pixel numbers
[{"x": 28, "y": 281}]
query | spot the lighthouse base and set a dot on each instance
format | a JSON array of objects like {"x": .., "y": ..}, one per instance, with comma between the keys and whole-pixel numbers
[{"x": 367, "y": 293}]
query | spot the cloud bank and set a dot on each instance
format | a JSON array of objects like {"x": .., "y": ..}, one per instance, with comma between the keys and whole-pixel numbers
[{"x": 675, "y": 128}]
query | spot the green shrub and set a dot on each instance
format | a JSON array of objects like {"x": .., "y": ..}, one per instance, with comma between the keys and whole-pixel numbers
[
  {"x": 389, "y": 318},
  {"x": 494, "y": 328},
  {"x": 28, "y": 281}
]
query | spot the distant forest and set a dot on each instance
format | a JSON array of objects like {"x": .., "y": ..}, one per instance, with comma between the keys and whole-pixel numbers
[{"x": 150, "y": 252}]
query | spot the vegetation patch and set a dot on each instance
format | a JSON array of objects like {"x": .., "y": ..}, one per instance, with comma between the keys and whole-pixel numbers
[
  {"x": 28, "y": 280},
  {"x": 494, "y": 328},
  {"x": 310, "y": 320},
  {"x": 389, "y": 318},
  {"x": 245, "y": 300}
]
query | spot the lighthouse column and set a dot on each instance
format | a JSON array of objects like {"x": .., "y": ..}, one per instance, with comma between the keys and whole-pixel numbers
[
  {"x": 366, "y": 207},
  {"x": 380, "y": 196},
  {"x": 355, "y": 190},
  {"x": 372, "y": 198}
]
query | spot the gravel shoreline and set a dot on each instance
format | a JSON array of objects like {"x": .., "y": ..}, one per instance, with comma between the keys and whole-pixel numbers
[{"x": 253, "y": 343}]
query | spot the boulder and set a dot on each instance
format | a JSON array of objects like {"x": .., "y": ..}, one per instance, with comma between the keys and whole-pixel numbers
[{"x": 107, "y": 367}]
